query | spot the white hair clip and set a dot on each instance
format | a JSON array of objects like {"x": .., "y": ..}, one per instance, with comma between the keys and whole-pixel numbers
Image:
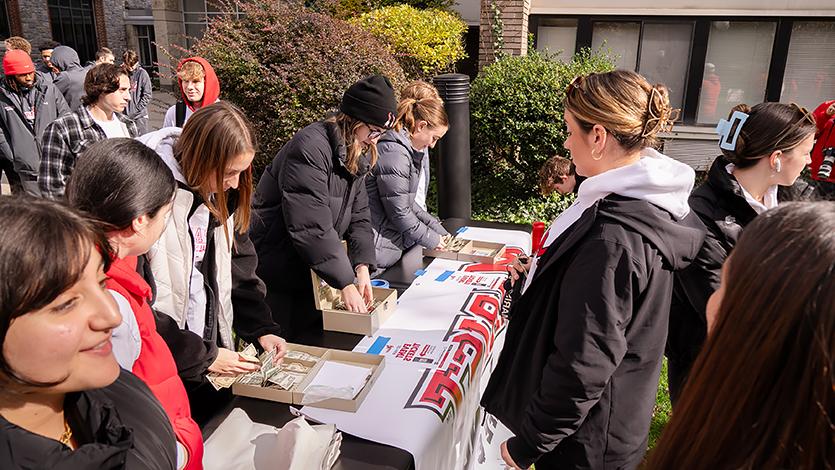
[{"x": 727, "y": 140}]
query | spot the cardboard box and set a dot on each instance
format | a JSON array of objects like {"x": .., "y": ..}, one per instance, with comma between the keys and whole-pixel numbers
[
  {"x": 367, "y": 324},
  {"x": 296, "y": 395},
  {"x": 474, "y": 251}
]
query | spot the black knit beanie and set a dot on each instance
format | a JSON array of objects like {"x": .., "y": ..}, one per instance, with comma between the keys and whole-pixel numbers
[{"x": 371, "y": 100}]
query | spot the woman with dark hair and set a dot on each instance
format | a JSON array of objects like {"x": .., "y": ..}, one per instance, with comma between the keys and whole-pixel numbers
[
  {"x": 311, "y": 198},
  {"x": 577, "y": 378},
  {"x": 764, "y": 149},
  {"x": 204, "y": 263},
  {"x": 761, "y": 394},
  {"x": 64, "y": 402},
  {"x": 129, "y": 189},
  {"x": 399, "y": 222}
]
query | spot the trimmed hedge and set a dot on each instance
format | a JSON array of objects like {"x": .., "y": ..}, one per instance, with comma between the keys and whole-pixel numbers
[
  {"x": 516, "y": 107},
  {"x": 287, "y": 66},
  {"x": 424, "y": 42}
]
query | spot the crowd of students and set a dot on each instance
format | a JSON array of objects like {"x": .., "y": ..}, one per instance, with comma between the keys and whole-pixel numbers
[{"x": 151, "y": 254}]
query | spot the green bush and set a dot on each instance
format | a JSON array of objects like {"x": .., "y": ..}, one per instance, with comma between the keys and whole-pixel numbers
[
  {"x": 516, "y": 124},
  {"x": 424, "y": 42},
  {"x": 287, "y": 66},
  {"x": 345, "y": 9}
]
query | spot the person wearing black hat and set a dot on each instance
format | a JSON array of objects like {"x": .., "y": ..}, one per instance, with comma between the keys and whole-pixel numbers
[{"x": 311, "y": 198}]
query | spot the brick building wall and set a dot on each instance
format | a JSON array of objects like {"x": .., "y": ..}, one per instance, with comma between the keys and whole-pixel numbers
[{"x": 514, "y": 18}]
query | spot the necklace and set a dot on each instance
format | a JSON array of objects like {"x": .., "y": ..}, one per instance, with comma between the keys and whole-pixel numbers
[{"x": 66, "y": 437}]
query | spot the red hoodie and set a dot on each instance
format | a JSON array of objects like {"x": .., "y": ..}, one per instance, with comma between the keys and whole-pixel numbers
[
  {"x": 825, "y": 136},
  {"x": 211, "y": 85},
  {"x": 155, "y": 365}
]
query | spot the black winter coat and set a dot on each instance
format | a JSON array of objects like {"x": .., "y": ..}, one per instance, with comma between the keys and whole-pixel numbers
[
  {"x": 578, "y": 373},
  {"x": 398, "y": 222},
  {"x": 305, "y": 204},
  {"x": 720, "y": 204},
  {"x": 121, "y": 426}
]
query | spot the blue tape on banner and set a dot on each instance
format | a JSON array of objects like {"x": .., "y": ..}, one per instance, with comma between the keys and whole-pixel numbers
[
  {"x": 378, "y": 345},
  {"x": 420, "y": 272},
  {"x": 444, "y": 276},
  {"x": 462, "y": 229}
]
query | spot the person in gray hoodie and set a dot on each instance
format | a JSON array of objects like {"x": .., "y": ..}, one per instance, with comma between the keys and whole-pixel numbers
[
  {"x": 28, "y": 103},
  {"x": 397, "y": 220},
  {"x": 70, "y": 80},
  {"x": 140, "y": 90}
]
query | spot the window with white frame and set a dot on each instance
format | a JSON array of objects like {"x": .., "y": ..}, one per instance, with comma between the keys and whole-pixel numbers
[{"x": 557, "y": 37}]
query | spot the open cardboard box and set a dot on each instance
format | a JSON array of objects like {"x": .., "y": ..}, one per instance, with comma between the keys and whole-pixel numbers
[
  {"x": 296, "y": 395},
  {"x": 474, "y": 251},
  {"x": 367, "y": 324}
]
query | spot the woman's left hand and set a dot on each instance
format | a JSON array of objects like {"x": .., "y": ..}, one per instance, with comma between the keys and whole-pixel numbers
[
  {"x": 364, "y": 285},
  {"x": 508, "y": 460},
  {"x": 270, "y": 342}
]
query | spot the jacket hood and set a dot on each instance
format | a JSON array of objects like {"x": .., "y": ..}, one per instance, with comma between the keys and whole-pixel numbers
[
  {"x": 162, "y": 142},
  {"x": 402, "y": 138},
  {"x": 211, "y": 87},
  {"x": 678, "y": 240},
  {"x": 820, "y": 114},
  {"x": 655, "y": 178},
  {"x": 65, "y": 58}
]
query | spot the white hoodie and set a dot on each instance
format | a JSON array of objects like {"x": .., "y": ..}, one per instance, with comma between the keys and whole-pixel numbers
[{"x": 655, "y": 178}]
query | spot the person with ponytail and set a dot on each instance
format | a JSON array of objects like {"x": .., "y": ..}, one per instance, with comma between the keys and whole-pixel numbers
[
  {"x": 576, "y": 380},
  {"x": 399, "y": 222},
  {"x": 761, "y": 394},
  {"x": 420, "y": 90},
  {"x": 204, "y": 263},
  {"x": 311, "y": 198},
  {"x": 764, "y": 149},
  {"x": 129, "y": 190}
]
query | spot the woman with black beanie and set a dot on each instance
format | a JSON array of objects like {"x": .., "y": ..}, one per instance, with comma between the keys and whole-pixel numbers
[{"x": 311, "y": 198}]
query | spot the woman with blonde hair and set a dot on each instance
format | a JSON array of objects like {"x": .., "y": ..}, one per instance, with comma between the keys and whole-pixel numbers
[
  {"x": 204, "y": 263},
  {"x": 577, "y": 378},
  {"x": 311, "y": 198},
  {"x": 420, "y": 90},
  {"x": 398, "y": 220}
]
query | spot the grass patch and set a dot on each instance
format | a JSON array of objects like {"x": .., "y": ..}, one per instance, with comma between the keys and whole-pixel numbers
[{"x": 663, "y": 408}]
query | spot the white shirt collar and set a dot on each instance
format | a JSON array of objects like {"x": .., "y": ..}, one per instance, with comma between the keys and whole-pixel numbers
[{"x": 769, "y": 198}]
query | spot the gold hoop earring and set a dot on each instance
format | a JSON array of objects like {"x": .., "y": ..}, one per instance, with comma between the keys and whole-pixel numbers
[{"x": 600, "y": 156}]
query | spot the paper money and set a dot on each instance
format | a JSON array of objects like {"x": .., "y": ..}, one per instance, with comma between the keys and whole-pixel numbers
[
  {"x": 295, "y": 367},
  {"x": 249, "y": 353},
  {"x": 252, "y": 378},
  {"x": 339, "y": 305},
  {"x": 219, "y": 381},
  {"x": 285, "y": 380},
  {"x": 456, "y": 244},
  {"x": 301, "y": 356}
]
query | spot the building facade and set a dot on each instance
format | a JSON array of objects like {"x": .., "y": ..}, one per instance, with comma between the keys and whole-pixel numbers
[{"x": 711, "y": 54}]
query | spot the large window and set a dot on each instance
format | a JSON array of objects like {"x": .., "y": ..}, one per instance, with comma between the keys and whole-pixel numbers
[
  {"x": 196, "y": 14},
  {"x": 5, "y": 31},
  {"x": 709, "y": 64},
  {"x": 810, "y": 68},
  {"x": 736, "y": 67},
  {"x": 147, "y": 51},
  {"x": 73, "y": 25}
]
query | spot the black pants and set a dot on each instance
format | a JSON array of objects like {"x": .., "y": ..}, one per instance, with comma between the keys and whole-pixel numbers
[
  {"x": 295, "y": 311},
  {"x": 20, "y": 184}
]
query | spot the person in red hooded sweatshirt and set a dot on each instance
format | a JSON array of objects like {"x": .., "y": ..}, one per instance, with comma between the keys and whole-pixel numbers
[
  {"x": 126, "y": 187},
  {"x": 822, "y": 166},
  {"x": 199, "y": 87}
]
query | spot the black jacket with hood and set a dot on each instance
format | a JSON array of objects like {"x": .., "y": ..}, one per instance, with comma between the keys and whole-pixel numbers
[
  {"x": 121, "y": 426},
  {"x": 722, "y": 208},
  {"x": 305, "y": 204},
  {"x": 398, "y": 221},
  {"x": 70, "y": 82},
  {"x": 20, "y": 141},
  {"x": 578, "y": 373}
]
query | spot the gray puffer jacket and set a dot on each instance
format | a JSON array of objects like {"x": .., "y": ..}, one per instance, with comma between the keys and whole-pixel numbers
[{"x": 398, "y": 222}]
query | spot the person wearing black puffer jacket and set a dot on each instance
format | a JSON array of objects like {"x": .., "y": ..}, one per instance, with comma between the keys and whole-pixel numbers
[
  {"x": 398, "y": 221},
  {"x": 758, "y": 169},
  {"x": 311, "y": 198}
]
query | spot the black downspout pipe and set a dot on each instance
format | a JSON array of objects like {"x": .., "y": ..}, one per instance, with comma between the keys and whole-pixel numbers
[{"x": 454, "y": 192}]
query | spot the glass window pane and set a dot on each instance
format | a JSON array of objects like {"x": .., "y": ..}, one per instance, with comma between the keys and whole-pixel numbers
[
  {"x": 557, "y": 35},
  {"x": 810, "y": 69},
  {"x": 194, "y": 6},
  {"x": 736, "y": 68},
  {"x": 665, "y": 56},
  {"x": 195, "y": 30},
  {"x": 621, "y": 39},
  {"x": 194, "y": 17}
]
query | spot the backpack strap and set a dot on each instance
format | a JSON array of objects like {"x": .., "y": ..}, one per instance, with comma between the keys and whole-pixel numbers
[{"x": 180, "y": 114}]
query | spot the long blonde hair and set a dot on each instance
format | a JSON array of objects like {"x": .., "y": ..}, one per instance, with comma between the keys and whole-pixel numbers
[
  {"x": 211, "y": 138},
  {"x": 420, "y": 101},
  {"x": 624, "y": 103},
  {"x": 354, "y": 148}
]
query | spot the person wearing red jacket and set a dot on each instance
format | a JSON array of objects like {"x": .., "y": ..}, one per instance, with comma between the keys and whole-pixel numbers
[
  {"x": 825, "y": 120},
  {"x": 125, "y": 186}
]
